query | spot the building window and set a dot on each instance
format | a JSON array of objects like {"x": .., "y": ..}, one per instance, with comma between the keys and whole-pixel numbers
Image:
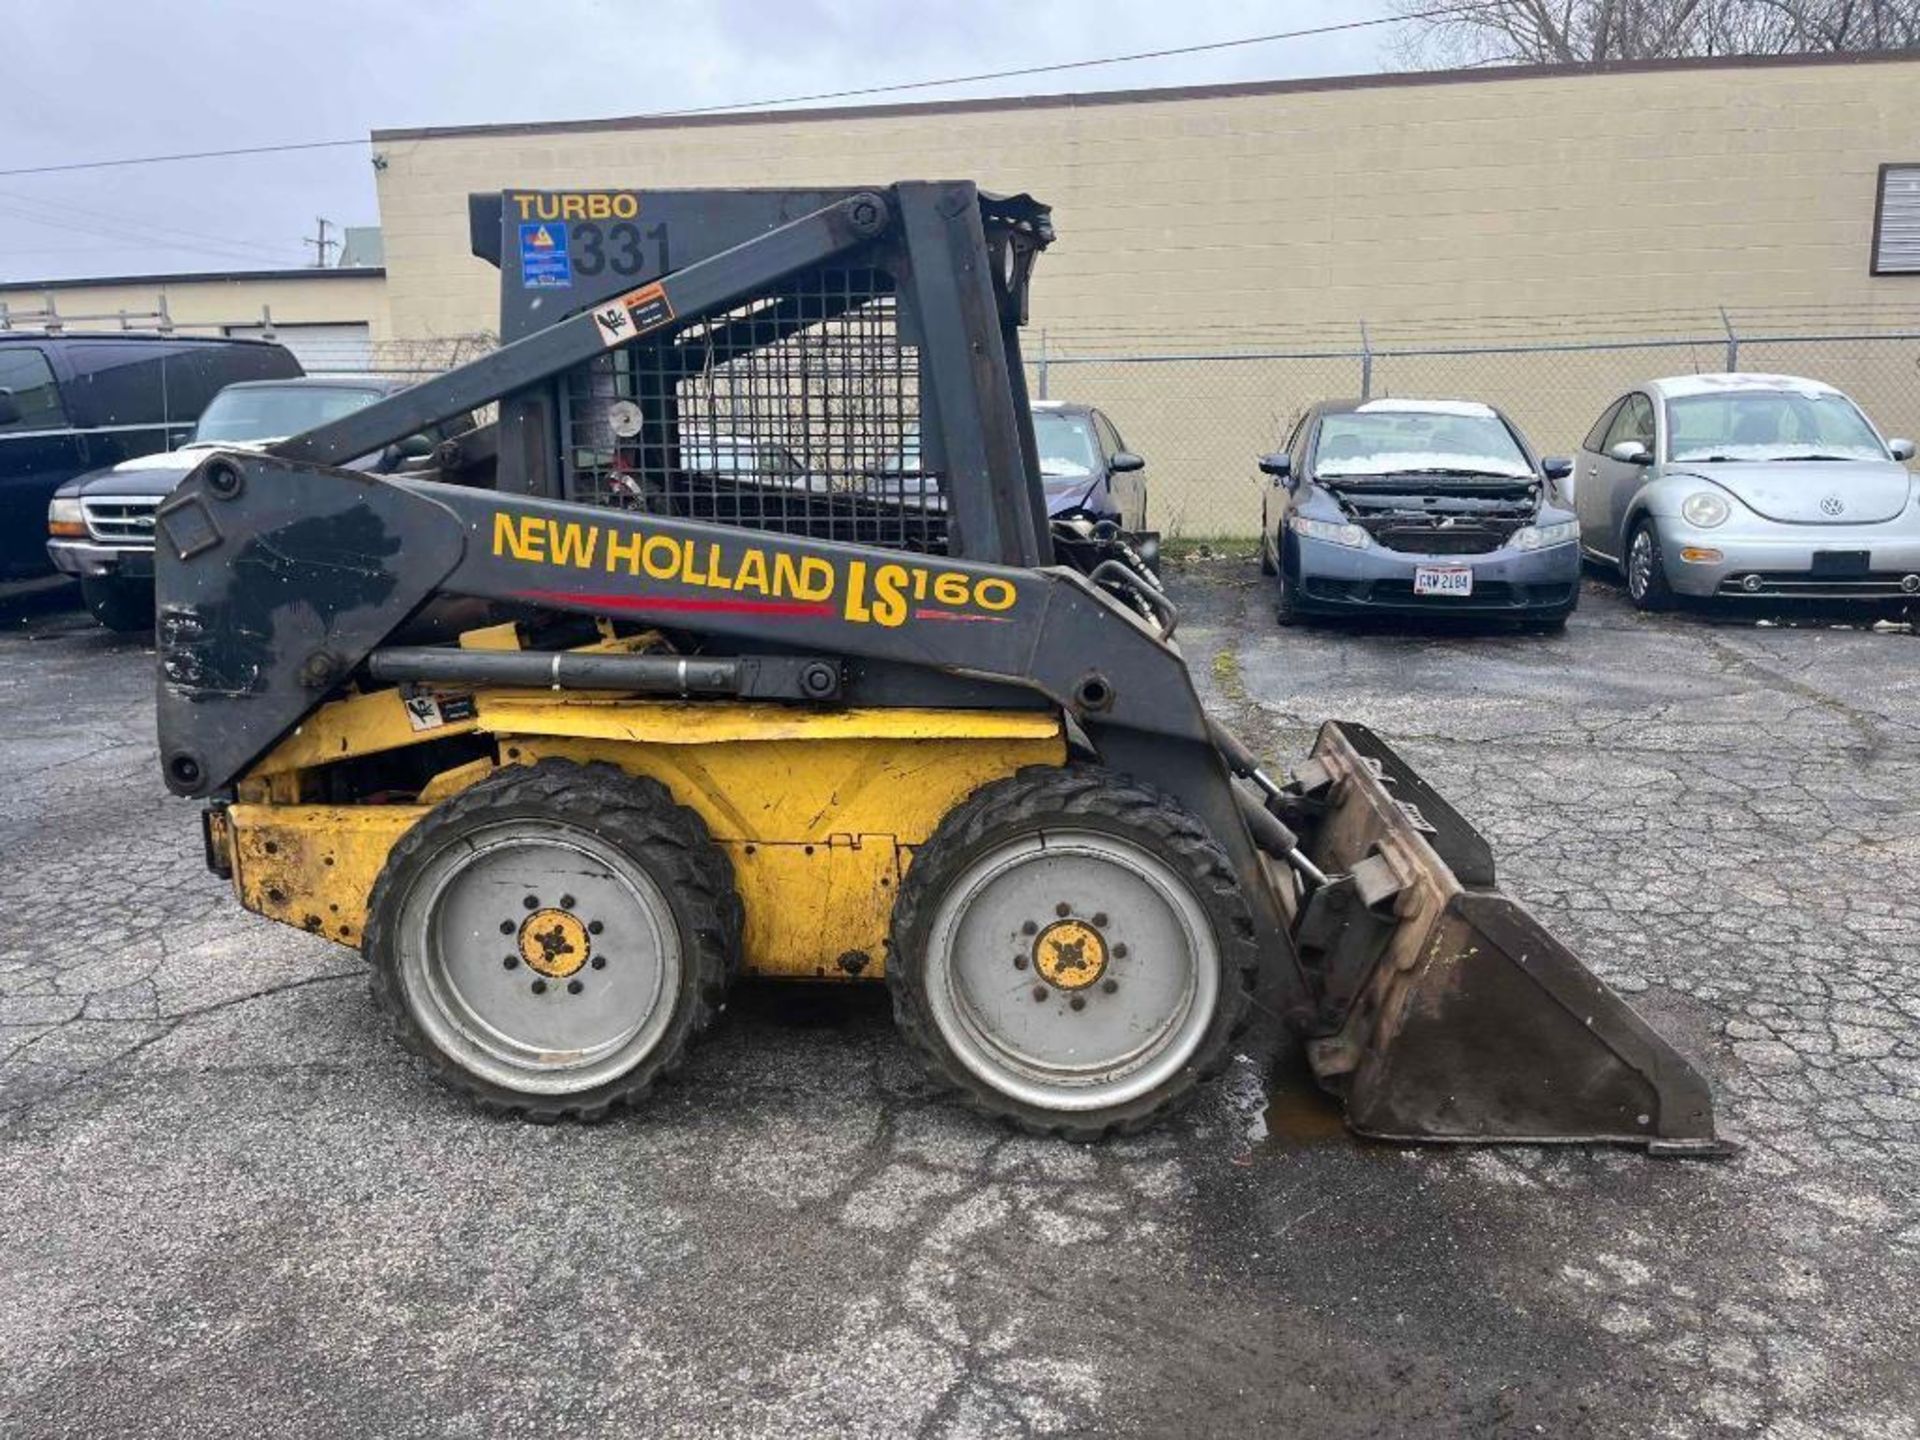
[{"x": 1896, "y": 221}]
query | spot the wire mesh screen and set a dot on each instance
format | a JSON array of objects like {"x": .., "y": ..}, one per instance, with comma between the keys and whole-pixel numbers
[{"x": 799, "y": 413}]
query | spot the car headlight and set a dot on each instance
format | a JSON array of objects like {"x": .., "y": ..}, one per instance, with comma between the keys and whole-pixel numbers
[
  {"x": 1704, "y": 509},
  {"x": 1332, "y": 531},
  {"x": 1539, "y": 537},
  {"x": 65, "y": 517}
]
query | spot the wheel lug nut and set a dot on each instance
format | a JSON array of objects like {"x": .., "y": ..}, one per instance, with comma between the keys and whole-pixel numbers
[
  {"x": 512, "y": 962},
  {"x": 1079, "y": 1002},
  {"x": 1120, "y": 952},
  {"x": 507, "y": 927},
  {"x": 539, "y": 987},
  {"x": 594, "y": 927},
  {"x": 566, "y": 902},
  {"x": 532, "y": 902},
  {"x": 1019, "y": 962},
  {"x": 574, "y": 987},
  {"x": 599, "y": 962},
  {"x": 1109, "y": 986},
  {"x": 1029, "y": 928},
  {"x": 1063, "y": 909},
  {"x": 1100, "y": 920},
  {"x": 1039, "y": 992}
]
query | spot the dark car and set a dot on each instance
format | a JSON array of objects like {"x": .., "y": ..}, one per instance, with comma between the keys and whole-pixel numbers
[
  {"x": 1086, "y": 467},
  {"x": 1430, "y": 506},
  {"x": 100, "y": 525},
  {"x": 73, "y": 403}
]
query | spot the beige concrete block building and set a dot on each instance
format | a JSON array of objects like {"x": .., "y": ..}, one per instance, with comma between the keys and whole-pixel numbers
[
  {"x": 1503, "y": 206},
  {"x": 1622, "y": 194}
]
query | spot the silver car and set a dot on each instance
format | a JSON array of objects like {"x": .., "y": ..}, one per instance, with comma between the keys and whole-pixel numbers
[{"x": 1755, "y": 486}]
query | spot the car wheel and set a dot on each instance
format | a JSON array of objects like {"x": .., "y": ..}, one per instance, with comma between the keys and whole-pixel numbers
[
  {"x": 1647, "y": 570},
  {"x": 122, "y": 606},
  {"x": 1286, "y": 609}
]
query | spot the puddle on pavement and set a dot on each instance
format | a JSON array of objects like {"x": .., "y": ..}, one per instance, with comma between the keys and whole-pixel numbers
[
  {"x": 1289, "y": 1113},
  {"x": 1297, "y": 1113}
]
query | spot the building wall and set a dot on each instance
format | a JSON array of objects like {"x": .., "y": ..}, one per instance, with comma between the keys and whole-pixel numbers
[
  {"x": 212, "y": 302},
  {"x": 1543, "y": 204}
]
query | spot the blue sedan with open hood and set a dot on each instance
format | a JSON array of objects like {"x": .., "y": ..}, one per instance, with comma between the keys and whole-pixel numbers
[{"x": 1417, "y": 506}]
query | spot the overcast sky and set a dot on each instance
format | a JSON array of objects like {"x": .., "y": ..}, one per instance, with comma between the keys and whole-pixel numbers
[{"x": 105, "y": 79}]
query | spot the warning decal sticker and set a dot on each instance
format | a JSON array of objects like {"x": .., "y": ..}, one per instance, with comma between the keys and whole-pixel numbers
[
  {"x": 634, "y": 313},
  {"x": 543, "y": 257}
]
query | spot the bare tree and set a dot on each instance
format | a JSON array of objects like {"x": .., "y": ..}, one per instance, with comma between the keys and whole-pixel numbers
[{"x": 1578, "y": 32}]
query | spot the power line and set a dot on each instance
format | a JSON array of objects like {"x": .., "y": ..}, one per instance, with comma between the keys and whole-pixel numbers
[
  {"x": 1466, "y": 7},
  {"x": 55, "y": 214},
  {"x": 1308, "y": 33}
]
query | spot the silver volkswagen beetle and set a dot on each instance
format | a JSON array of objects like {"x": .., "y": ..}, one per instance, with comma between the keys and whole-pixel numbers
[{"x": 1756, "y": 486}]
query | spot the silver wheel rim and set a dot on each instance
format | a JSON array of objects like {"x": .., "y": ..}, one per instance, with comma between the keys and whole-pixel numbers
[
  {"x": 563, "y": 1031},
  {"x": 1142, "y": 1015},
  {"x": 1640, "y": 564}
]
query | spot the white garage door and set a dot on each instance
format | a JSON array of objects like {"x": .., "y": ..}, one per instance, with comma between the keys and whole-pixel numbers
[{"x": 320, "y": 349}]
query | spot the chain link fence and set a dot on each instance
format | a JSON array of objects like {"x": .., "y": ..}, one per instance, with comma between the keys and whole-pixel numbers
[{"x": 1201, "y": 419}]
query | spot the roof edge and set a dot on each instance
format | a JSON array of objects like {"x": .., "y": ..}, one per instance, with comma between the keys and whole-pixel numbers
[
  {"x": 1399, "y": 79},
  {"x": 204, "y": 277}
]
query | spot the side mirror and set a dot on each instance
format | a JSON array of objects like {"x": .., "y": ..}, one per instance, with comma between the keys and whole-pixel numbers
[
  {"x": 1556, "y": 467},
  {"x": 1125, "y": 462},
  {"x": 1279, "y": 466},
  {"x": 9, "y": 408},
  {"x": 1631, "y": 452},
  {"x": 1902, "y": 449}
]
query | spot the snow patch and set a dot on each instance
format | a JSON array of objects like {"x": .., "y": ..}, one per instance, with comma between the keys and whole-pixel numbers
[
  {"x": 1427, "y": 407},
  {"x": 1718, "y": 384}
]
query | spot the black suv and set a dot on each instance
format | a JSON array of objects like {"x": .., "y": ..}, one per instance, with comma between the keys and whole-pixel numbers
[{"x": 72, "y": 403}]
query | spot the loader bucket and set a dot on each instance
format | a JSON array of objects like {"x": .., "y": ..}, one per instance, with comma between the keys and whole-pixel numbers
[{"x": 1445, "y": 1011}]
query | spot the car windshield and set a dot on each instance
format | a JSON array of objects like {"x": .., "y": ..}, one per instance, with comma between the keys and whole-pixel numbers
[
  {"x": 270, "y": 413},
  {"x": 1065, "y": 442},
  {"x": 1362, "y": 444},
  {"x": 1769, "y": 425}
]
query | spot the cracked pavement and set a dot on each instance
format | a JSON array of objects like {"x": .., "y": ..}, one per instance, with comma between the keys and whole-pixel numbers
[{"x": 234, "y": 1206}]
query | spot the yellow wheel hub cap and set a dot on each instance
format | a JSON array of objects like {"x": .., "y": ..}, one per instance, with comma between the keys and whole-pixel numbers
[
  {"x": 553, "y": 943},
  {"x": 1070, "y": 954}
]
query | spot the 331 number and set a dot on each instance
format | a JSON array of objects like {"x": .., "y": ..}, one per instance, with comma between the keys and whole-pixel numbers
[{"x": 623, "y": 248}]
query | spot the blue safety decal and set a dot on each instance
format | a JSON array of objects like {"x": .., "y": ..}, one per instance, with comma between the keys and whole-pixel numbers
[{"x": 543, "y": 257}]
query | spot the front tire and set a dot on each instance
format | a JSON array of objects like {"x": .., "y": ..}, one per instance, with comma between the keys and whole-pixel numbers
[
  {"x": 123, "y": 606},
  {"x": 1646, "y": 570},
  {"x": 552, "y": 940},
  {"x": 1071, "y": 952},
  {"x": 1286, "y": 609}
]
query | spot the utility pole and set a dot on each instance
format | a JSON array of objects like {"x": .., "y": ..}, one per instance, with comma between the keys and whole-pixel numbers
[{"x": 321, "y": 244}]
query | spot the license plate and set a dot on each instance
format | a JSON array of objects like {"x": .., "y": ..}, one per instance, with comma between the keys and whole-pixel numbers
[
  {"x": 1443, "y": 580},
  {"x": 1841, "y": 564}
]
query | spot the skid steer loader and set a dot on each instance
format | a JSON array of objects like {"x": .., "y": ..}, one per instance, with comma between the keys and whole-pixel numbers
[{"x": 756, "y": 651}]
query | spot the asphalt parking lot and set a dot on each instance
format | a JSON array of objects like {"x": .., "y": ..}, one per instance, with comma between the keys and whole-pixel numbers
[{"x": 234, "y": 1206}]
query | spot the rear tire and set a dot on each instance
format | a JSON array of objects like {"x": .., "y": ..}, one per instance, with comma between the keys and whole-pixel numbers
[
  {"x": 552, "y": 940},
  {"x": 1108, "y": 901},
  {"x": 1645, "y": 569},
  {"x": 124, "y": 606}
]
